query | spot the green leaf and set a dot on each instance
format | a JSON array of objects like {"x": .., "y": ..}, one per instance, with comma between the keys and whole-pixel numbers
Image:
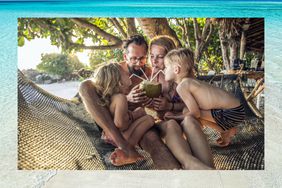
[{"x": 20, "y": 41}]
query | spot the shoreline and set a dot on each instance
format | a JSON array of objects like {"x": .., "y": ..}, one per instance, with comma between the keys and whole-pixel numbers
[{"x": 65, "y": 90}]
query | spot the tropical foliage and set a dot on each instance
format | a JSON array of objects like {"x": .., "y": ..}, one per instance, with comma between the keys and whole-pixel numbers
[
  {"x": 103, "y": 36},
  {"x": 59, "y": 64}
]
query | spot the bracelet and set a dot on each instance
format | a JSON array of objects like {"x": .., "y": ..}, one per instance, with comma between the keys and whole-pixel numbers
[{"x": 172, "y": 108}]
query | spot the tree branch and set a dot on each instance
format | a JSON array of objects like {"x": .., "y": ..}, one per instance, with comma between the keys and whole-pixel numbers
[
  {"x": 118, "y": 26},
  {"x": 102, "y": 33},
  {"x": 187, "y": 32},
  {"x": 122, "y": 21},
  {"x": 104, "y": 47},
  {"x": 210, "y": 33},
  {"x": 184, "y": 34},
  {"x": 205, "y": 29},
  {"x": 196, "y": 29}
]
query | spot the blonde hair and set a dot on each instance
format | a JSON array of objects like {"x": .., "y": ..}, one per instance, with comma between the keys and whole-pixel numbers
[
  {"x": 184, "y": 57},
  {"x": 106, "y": 81},
  {"x": 164, "y": 41}
]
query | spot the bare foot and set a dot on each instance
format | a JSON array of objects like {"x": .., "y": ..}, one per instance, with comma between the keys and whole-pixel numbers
[
  {"x": 225, "y": 137},
  {"x": 195, "y": 164},
  {"x": 108, "y": 139},
  {"x": 119, "y": 158}
]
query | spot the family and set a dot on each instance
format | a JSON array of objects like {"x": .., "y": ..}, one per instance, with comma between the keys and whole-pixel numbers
[{"x": 115, "y": 100}]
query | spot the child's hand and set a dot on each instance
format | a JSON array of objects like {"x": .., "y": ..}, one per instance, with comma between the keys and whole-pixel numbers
[{"x": 161, "y": 104}]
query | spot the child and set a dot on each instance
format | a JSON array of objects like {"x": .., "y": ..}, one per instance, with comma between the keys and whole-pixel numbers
[
  {"x": 213, "y": 106},
  {"x": 112, "y": 84}
]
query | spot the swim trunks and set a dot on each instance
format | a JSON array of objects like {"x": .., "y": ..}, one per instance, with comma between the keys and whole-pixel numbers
[{"x": 228, "y": 118}]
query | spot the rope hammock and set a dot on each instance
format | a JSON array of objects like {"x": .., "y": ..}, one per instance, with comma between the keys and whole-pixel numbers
[{"x": 55, "y": 133}]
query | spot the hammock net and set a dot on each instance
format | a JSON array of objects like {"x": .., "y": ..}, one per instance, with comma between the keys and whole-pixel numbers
[{"x": 58, "y": 134}]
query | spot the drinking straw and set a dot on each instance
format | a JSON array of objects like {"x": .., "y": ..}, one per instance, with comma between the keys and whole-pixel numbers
[
  {"x": 144, "y": 74},
  {"x": 137, "y": 77},
  {"x": 157, "y": 74}
]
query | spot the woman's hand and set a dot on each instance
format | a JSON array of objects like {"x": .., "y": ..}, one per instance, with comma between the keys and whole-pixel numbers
[
  {"x": 148, "y": 103},
  {"x": 161, "y": 104}
]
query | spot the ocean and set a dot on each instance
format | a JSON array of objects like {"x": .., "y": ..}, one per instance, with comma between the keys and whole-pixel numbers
[{"x": 9, "y": 12}]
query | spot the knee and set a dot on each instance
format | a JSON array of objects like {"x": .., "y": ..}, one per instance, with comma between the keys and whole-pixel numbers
[
  {"x": 150, "y": 120},
  {"x": 190, "y": 123},
  {"x": 172, "y": 126}
]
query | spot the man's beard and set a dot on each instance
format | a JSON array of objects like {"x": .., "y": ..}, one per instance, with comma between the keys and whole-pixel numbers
[{"x": 137, "y": 72}]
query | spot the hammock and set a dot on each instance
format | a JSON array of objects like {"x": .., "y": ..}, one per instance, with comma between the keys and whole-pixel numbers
[{"x": 55, "y": 133}]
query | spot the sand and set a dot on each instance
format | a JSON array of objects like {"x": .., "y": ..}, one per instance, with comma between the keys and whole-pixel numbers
[{"x": 65, "y": 90}]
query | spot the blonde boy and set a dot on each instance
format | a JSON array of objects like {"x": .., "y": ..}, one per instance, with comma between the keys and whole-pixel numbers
[{"x": 213, "y": 106}]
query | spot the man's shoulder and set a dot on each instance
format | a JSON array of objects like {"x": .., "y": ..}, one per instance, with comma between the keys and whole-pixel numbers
[{"x": 123, "y": 65}]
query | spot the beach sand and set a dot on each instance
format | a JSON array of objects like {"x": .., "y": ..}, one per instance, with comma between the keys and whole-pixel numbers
[{"x": 65, "y": 90}]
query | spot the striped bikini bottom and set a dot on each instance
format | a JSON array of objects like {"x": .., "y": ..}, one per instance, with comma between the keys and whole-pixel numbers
[{"x": 228, "y": 118}]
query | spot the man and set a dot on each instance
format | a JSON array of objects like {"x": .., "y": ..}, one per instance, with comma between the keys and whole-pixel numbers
[
  {"x": 135, "y": 57},
  {"x": 135, "y": 51}
]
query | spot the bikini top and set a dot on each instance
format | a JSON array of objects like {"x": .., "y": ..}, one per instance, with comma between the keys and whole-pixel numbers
[{"x": 175, "y": 98}]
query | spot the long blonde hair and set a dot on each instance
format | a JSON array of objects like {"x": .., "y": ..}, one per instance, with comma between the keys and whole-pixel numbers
[{"x": 106, "y": 81}]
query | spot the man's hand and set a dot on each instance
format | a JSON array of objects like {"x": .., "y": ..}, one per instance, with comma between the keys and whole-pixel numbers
[
  {"x": 161, "y": 104},
  {"x": 136, "y": 95}
]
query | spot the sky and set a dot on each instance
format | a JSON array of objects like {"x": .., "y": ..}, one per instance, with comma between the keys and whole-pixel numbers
[{"x": 29, "y": 55}]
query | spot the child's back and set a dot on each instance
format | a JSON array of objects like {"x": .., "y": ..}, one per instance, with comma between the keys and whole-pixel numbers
[
  {"x": 213, "y": 106},
  {"x": 207, "y": 96}
]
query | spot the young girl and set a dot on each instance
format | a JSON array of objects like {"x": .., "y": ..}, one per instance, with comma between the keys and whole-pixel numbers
[{"x": 112, "y": 84}]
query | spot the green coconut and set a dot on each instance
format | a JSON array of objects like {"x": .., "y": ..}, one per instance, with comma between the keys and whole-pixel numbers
[{"x": 152, "y": 89}]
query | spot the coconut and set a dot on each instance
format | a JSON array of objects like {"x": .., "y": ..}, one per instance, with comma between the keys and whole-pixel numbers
[{"x": 152, "y": 89}]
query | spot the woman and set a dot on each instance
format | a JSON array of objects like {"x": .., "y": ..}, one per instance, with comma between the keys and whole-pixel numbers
[{"x": 169, "y": 102}]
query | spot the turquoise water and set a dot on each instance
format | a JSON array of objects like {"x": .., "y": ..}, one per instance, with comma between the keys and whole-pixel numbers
[{"x": 271, "y": 11}]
